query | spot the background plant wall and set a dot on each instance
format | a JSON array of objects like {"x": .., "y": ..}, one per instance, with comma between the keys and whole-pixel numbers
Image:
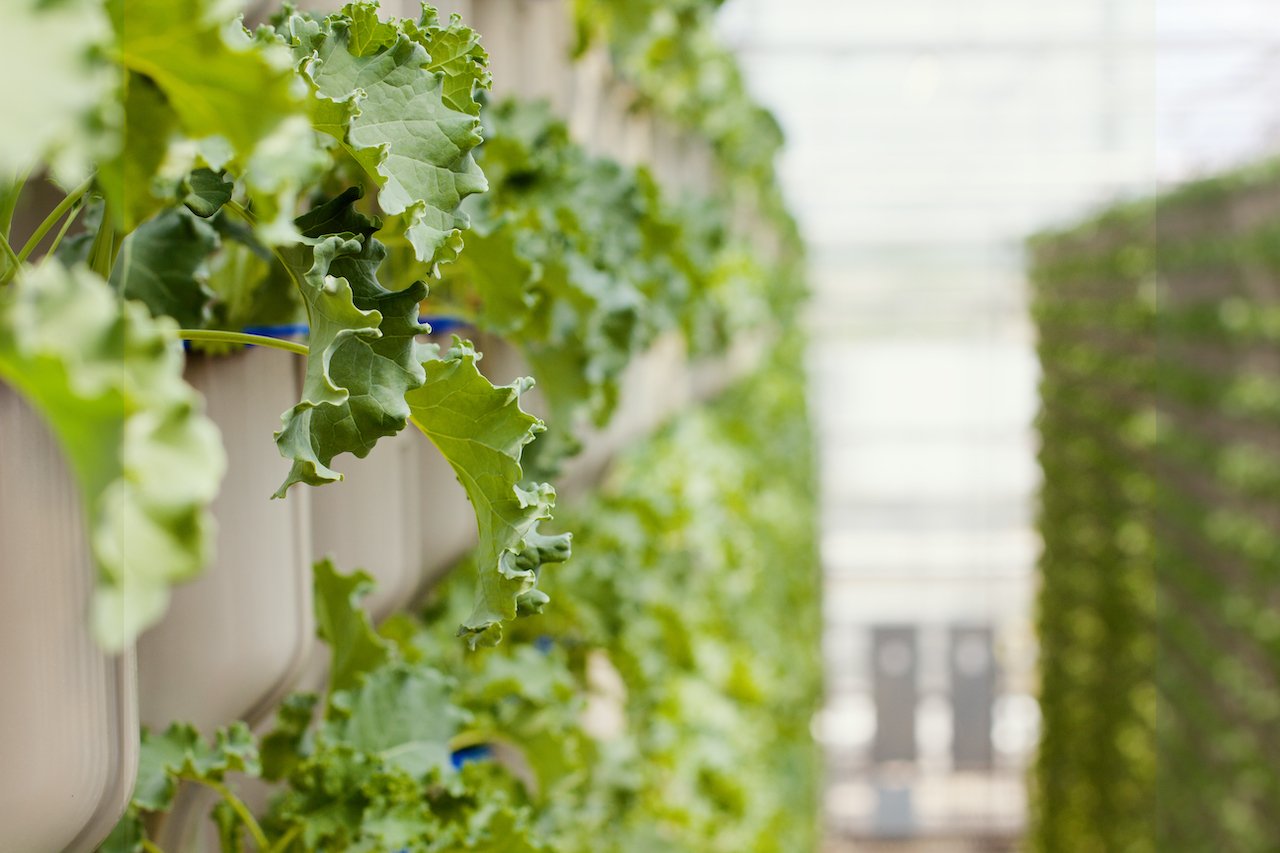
[{"x": 1161, "y": 457}]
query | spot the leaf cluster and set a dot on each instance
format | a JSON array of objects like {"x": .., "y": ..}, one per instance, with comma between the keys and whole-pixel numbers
[{"x": 665, "y": 703}]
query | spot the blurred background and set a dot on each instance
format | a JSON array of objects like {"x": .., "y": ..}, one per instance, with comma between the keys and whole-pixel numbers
[{"x": 926, "y": 141}]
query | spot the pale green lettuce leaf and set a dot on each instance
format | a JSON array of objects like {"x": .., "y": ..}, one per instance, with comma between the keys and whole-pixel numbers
[
  {"x": 107, "y": 378},
  {"x": 230, "y": 100},
  {"x": 218, "y": 81},
  {"x": 56, "y": 84}
]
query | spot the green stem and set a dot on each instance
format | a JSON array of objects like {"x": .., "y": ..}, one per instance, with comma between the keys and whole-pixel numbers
[
  {"x": 240, "y": 210},
  {"x": 102, "y": 253},
  {"x": 252, "y": 221},
  {"x": 150, "y": 847},
  {"x": 285, "y": 840},
  {"x": 66, "y": 226},
  {"x": 225, "y": 337},
  {"x": 52, "y": 219},
  {"x": 9, "y": 201},
  {"x": 11, "y": 261},
  {"x": 242, "y": 812}
]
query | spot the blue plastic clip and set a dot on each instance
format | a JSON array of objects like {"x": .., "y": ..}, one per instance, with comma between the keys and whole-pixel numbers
[
  {"x": 442, "y": 324},
  {"x": 468, "y": 754},
  {"x": 289, "y": 330}
]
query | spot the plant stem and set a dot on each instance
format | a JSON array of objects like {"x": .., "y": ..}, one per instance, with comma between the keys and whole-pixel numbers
[
  {"x": 9, "y": 201},
  {"x": 150, "y": 847},
  {"x": 240, "y": 210},
  {"x": 242, "y": 812},
  {"x": 66, "y": 226},
  {"x": 54, "y": 215},
  {"x": 11, "y": 261},
  {"x": 225, "y": 337},
  {"x": 102, "y": 253},
  {"x": 285, "y": 840}
]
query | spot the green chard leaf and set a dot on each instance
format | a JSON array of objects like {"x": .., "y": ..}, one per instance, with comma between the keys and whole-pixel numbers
[
  {"x": 364, "y": 354},
  {"x": 107, "y": 378},
  {"x": 400, "y": 97},
  {"x": 482, "y": 431}
]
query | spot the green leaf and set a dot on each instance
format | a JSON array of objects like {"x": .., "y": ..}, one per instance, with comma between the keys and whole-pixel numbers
[
  {"x": 404, "y": 714},
  {"x": 164, "y": 265},
  {"x": 356, "y": 649},
  {"x": 482, "y": 431},
  {"x": 53, "y": 114},
  {"x": 126, "y": 836},
  {"x": 206, "y": 192},
  {"x": 394, "y": 110},
  {"x": 149, "y": 122},
  {"x": 107, "y": 378},
  {"x": 456, "y": 53},
  {"x": 218, "y": 81},
  {"x": 285, "y": 744},
  {"x": 364, "y": 354},
  {"x": 182, "y": 754},
  {"x": 492, "y": 280},
  {"x": 249, "y": 287}
]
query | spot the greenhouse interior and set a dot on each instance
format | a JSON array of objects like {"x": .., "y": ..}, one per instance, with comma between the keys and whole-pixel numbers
[{"x": 831, "y": 426}]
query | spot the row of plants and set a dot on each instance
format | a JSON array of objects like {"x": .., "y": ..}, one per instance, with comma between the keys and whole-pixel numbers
[
  {"x": 1159, "y": 658},
  {"x": 664, "y": 704},
  {"x": 333, "y": 185},
  {"x": 321, "y": 169},
  {"x": 671, "y": 54}
]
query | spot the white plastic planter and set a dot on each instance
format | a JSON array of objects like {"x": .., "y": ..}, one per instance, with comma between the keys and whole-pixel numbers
[
  {"x": 610, "y": 135},
  {"x": 370, "y": 519},
  {"x": 498, "y": 22},
  {"x": 710, "y": 376},
  {"x": 68, "y": 717},
  {"x": 640, "y": 149},
  {"x": 591, "y": 74},
  {"x": 665, "y": 160},
  {"x": 234, "y": 641},
  {"x": 546, "y": 39},
  {"x": 447, "y": 528},
  {"x": 444, "y": 7},
  {"x": 528, "y": 42}
]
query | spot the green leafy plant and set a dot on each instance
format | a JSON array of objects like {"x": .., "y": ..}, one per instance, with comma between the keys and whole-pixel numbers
[
  {"x": 1157, "y": 443},
  {"x": 625, "y": 719},
  {"x": 316, "y": 172},
  {"x": 228, "y": 193}
]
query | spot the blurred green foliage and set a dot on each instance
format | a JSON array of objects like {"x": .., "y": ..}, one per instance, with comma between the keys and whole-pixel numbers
[{"x": 1160, "y": 447}]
